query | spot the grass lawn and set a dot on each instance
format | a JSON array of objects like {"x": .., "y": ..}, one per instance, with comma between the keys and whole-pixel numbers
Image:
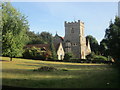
[{"x": 19, "y": 73}]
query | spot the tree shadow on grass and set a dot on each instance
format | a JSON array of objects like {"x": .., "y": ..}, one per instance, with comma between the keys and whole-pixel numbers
[
  {"x": 58, "y": 83},
  {"x": 90, "y": 79},
  {"x": 85, "y": 67},
  {"x": 16, "y": 71},
  {"x": 4, "y": 60}
]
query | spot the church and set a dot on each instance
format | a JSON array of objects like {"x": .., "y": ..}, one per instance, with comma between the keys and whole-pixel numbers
[{"x": 74, "y": 41}]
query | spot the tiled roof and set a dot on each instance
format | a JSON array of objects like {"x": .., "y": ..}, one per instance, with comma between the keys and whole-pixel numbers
[
  {"x": 56, "y": 46},
  {"x": 62, "y": 38}
]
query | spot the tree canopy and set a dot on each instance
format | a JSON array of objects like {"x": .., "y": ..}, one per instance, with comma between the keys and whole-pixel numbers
[
  {"x": 14, "y": 27},
  {"x": 93, "y": 43},
  {"x": 39, "y": 38},
  {"x": 34, "y": 38},
  {"x": 112, "y": 35},
  {"x": 46, "y": 37},
  {"x": 103, "y": 48}
]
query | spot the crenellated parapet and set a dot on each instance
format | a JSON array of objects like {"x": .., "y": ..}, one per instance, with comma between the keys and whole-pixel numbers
[{"x": 74, "y": 23}]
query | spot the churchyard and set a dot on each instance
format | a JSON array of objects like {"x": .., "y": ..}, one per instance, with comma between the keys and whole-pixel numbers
[{"x": 21, "y": 73}]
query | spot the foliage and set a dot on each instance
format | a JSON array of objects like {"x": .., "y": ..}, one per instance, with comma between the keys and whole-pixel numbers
[
  {"x": 36, "y": 53},
  {"x": 0, "y": 32},
  {"x": 49, "y": 68},
  {"x": 34, "y": 38},
  {"x": 103, "y": 48},
  {"x": 112, "y": 34},
  {"x": 53, "y": 51},
  {"x": 99, "y": 59},
  {"x": 46, "y": 68},
  {"x": 14, "y": 30},
  {"x": 93, "y": 43},
  {"x": 68, "y": 56},
  {"x": 39, "y": 38},
  {"x": 46, "y": 37},
  {"x": 74, "y": 60},
  {"x": 43, "y": 38},
  {"x": 91, "y": 56}
]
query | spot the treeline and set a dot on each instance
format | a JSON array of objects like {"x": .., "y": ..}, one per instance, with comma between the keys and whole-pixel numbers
[
  {"x": 111, "y": 41},
  {"x": 37, "y": 53},
  {"x": 39, "y": 38},
  {"x": 16, "y": 35},
  {"x": 109, "y": 47}
]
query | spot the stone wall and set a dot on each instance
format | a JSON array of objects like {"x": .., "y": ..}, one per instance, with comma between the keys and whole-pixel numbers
[
  {"x": 74, "y": 41},
  {"x": 60, "y": 52}
]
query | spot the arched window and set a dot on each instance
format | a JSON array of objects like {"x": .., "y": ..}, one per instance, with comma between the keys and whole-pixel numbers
[{"x": 68, "y": 46}]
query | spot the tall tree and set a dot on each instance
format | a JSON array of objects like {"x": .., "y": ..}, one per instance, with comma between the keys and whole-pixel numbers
[
  {"x": 103, "y": 48},
  {"x": 34, "y": 38},
  {"x": 0, "y": 31},
  {"x": 46, "y": 37},
  {"x": 14, "y": 27},
  {"x": 42, "y": 38},
  {"x": 52, "y": 48},
  {"x": 93, "y": 43},
  {"x": 112, "y": 34}
]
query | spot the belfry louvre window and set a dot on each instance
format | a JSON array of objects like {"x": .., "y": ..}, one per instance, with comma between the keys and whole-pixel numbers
[
  {"x": 68, "y": 44},
  {"x": 72, "y": 30},
  {"x": 74, "y": 44}
]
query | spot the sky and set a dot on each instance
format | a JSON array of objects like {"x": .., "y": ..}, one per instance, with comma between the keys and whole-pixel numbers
[{"x": 50, "y": 16}]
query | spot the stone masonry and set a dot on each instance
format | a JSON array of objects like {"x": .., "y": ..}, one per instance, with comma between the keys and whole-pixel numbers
[{"x": 75, "y": 41}]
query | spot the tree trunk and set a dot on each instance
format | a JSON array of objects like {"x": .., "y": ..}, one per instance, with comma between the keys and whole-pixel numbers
[{"x": 10, "y": 58}]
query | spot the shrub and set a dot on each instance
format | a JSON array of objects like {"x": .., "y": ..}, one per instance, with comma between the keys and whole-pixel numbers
[
  {"x": 36, "y": 53},
  {"x": 64, "y": 69},
  {"x": 91, "y": 56},
  {"x": 99, "y": 59},
  {"x": 96, "y": 58},
  {"x": 46, "y": 68},
  {"x": 68, "y": 56},
  {"x": 76, "y": 60}
]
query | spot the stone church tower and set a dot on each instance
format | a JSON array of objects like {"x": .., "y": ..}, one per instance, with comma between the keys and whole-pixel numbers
[{"x": 75, "y": 41}]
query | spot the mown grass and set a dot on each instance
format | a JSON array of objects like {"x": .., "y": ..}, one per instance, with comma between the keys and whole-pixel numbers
[{"x": 20, "y": 73}]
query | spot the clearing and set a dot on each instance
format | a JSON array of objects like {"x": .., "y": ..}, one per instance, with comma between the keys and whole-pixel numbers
[{"x": 19, "y": 73}]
